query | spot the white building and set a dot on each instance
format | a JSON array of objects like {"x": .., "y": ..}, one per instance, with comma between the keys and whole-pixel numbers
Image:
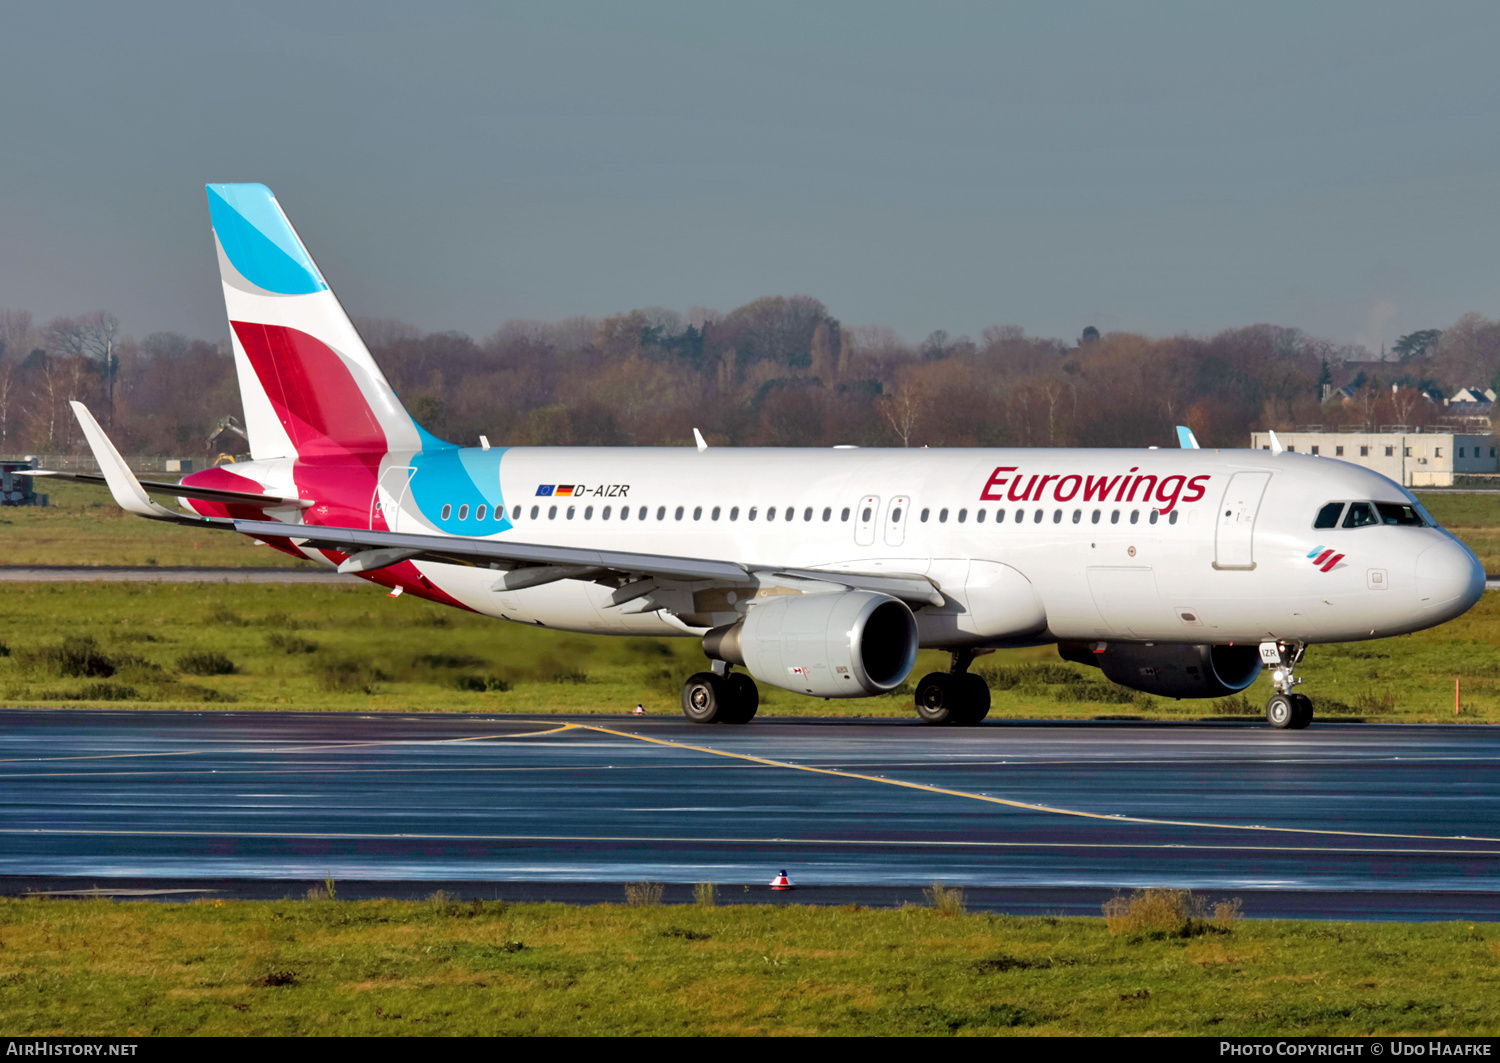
[{"x": 1412, "y": 458}]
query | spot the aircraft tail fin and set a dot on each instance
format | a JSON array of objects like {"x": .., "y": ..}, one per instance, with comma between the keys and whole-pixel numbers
[
  {"x": 1185, "y": 438},
  {"x": 309, "y": 386}
]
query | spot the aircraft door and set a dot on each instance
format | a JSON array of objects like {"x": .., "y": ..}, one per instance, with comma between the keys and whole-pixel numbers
[
  {"x": 1234, "y": 536},
  {"x": 866, "y": 514},
  {"x": 895, "y": 520},
  {"x": 385, "y": 506}
]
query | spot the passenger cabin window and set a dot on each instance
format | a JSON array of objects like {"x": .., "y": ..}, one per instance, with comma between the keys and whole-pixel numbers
[
  {"x": 963, "y": 515},
  {"x": 844, "y": 514},
  {"x": 942, "y": 516},
  {"x": 1135, "y": 516},
  {"x": 734, "y": 512},
  {"x": 1360, "y": 514},
  {"x": 607, "y": 510},
  {"x": 753, "y": 511},
  {"x": 463, "y": 512},
  {"x": 807, "y": 513},
  {"x": 827, "y": 513},
  {"x": 571, "y": 510},
  {"x": 925, "y": 514},
  {"x": 1154, "y": 516},
  {"x": 999, "y": 516},
  {"x": 479, "y": 513},
  {"x": 715, "y": 514},
  {"x": 535, "y": 511},
  {"x": 1077, "y": 515},
  {"x": 1036, "y": 518},
  {"x": 697, "y": 512},
  {"x": 1173, "y": 518},
  {"x": 979, "y": 517},
  {"x": 790, "y": 513},
  {"x": 865, "y": 516},
  {"x": 588, "y": 512},
  {"x": 551, "y": 512},
  {"x": 679, "y": 512},
  {"x": 447, "y": 512}
]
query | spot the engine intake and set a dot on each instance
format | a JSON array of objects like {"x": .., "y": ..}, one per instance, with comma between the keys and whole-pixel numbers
[
  {"x": 1171, "y": 670},
  {"x": 849, "y": 644}
]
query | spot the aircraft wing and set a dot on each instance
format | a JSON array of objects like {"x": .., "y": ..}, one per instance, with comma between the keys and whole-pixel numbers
[
  {"x": 530, "y": 564},
  {"x": 455, "y": 550}
]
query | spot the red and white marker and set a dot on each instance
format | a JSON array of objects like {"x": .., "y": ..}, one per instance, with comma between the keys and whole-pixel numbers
[{"x": 781, "y": 882}]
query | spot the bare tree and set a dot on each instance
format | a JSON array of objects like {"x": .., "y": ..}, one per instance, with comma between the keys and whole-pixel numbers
[
  {"x": 93, "y": 336},
  {"x": 7, "y": 386},
  {"x": 15, "y": 328},
  {"x": 904, "y": 410}
]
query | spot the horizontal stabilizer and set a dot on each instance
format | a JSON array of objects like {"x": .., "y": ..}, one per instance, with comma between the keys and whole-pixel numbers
[{"x": 207, "y": 494}]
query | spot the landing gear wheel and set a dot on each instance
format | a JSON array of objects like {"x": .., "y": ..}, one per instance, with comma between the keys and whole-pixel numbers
[
  {"x": 1281, "y": 711},
  {"x": 1302, "y": 711},
  {"x": 974, "y": 696},
  {"x": 938, "y": 697},
  {"x": 744, "y": 698},
  {"x": 706, "y": 698}
]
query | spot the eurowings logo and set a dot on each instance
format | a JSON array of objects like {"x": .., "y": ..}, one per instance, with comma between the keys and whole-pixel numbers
[{"x": 1325, "y": 559}]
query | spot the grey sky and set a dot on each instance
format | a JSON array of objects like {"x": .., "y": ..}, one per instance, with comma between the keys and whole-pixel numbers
[{"x": 1155, "y": 167}]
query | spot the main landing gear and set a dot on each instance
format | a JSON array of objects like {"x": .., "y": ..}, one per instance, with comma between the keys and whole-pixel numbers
[
  {"x": 711, "y": 697},
  {"x": 957, "y": 696},
  {"x": 1286, "y": 711}
]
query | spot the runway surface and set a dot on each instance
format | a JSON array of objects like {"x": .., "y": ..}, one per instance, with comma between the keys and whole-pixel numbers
[{"x": 1339, "y": 821}]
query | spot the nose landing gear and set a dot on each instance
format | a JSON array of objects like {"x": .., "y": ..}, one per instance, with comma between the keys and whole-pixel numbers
[{"x": 1285, "y": 710}]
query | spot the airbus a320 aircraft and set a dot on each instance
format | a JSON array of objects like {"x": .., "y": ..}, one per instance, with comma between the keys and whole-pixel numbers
[{"x": 1180, "y": 573}]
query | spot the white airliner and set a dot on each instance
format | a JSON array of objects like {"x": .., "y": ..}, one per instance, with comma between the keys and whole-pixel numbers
[{"x": 1176, "y": 572}]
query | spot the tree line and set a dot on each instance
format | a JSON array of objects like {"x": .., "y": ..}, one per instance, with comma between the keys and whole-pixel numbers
[{"x": 778, "y": 371}]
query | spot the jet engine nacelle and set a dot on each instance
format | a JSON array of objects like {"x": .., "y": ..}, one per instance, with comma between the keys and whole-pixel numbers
[
  {"x": 1171, "y": 670},
  {"x": 849, "y": 644}
]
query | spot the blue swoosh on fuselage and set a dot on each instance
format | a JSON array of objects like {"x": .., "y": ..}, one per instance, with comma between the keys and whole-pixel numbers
[{"x": 459, "y": 477}]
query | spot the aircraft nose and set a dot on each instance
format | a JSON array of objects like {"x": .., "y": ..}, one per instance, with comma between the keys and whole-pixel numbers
[{"x": 1450, "y": 578}]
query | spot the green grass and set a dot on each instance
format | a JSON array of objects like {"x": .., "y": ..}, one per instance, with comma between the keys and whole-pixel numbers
[
  {"x": 326, "y": 647},
  {"x": 323, "y": 967},
  {"x": 1473, "y": 518},
  {"x": 83, "y": 526}
]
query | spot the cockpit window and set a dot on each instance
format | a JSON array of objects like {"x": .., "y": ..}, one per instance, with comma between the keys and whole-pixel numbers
[
  {"x": 1360, "y": 514},
  {"x": 1399, "y": 513},
  {"x": 1328, "y": 516}
]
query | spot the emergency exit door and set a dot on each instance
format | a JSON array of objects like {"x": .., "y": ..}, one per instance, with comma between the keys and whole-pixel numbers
[{"x": 1234, "y": 536}]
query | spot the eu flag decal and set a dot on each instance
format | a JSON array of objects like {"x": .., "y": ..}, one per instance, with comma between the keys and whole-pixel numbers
[{"x": 545, "y": 490}]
